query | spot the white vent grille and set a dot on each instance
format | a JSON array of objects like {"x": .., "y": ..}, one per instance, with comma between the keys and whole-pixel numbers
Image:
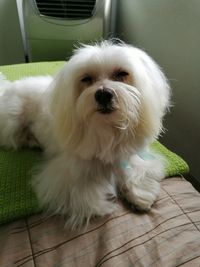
[{"x": 66, "y": 9}]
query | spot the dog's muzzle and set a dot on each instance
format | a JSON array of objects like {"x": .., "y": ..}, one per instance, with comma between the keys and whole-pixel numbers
[{"x": 104, "y": 98}]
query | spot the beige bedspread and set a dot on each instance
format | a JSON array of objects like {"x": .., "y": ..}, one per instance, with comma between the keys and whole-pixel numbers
[{"x": 168, "y": 235}]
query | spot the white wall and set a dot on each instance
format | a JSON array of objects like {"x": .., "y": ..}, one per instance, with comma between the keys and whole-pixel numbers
[
  {"x": 11, "y": 49},
  {"x": 170, "y": 31}
]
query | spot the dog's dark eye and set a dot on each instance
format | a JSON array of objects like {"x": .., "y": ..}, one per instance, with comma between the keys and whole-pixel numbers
[
  {"x": 87, "y": 79},
  {"x": 120, "y": 75}
]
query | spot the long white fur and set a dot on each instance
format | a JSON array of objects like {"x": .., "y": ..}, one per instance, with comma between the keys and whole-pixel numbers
[{"x": 86, "y": 147}]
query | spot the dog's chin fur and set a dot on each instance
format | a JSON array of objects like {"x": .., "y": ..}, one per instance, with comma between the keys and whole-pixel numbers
[{"x": 88, "y": 146}]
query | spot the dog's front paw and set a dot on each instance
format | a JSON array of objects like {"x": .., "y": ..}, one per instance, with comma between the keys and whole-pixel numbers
[
  {"x": 143, "y": 203},
  {"x": 80, "y": 216},
  {"x": 142, "y": 195}
]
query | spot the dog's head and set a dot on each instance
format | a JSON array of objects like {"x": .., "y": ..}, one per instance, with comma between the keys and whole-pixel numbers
[{"x": 108, "y": 100}]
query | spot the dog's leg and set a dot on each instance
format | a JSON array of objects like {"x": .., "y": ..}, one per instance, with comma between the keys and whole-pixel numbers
[
  {"x": 88, "y": 202},
  {"x": 67, "y": 185},
  {"x": 139, "y": 181}
]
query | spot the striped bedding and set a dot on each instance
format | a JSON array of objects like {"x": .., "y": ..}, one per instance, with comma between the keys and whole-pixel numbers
[{"x": 168, "y": 235}]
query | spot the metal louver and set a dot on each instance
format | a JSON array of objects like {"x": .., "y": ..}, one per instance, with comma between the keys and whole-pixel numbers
[{"x": 66, "y": 9}]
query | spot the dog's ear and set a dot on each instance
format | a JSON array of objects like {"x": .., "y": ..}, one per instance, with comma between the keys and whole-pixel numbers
[
  {"x": 156, "y": 79},
  {"x": 155, "y": 91},
  {"x": 62, "y": 105}
]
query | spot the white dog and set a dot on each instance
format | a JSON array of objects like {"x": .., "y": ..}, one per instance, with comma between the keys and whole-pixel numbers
[{"x": 95, "y": 119}]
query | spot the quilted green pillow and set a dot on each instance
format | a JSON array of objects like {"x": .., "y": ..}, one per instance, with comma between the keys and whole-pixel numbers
[{"x": 17, "y": 199}]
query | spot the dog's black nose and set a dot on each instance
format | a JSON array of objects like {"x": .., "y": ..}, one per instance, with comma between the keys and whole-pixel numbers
[{"x": 104, "y": 96}]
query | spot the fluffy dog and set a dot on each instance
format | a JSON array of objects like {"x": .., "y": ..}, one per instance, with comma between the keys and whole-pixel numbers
[{"x": 95, "y": 120}]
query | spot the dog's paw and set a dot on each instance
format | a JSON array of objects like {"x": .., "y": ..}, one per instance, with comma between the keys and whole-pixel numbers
[
  {"x": 142, "y": 196},
  {"x": 105, "y": 208},
  {"x": 143, "y": 204},
  {"x": 79, "y": 220}
]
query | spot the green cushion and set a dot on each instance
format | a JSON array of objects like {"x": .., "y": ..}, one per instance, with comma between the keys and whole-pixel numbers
[
  {"x": 17, "y": 199},
  {"x": 175, "y": 165},
  {"x": 14, "y": 72}
]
